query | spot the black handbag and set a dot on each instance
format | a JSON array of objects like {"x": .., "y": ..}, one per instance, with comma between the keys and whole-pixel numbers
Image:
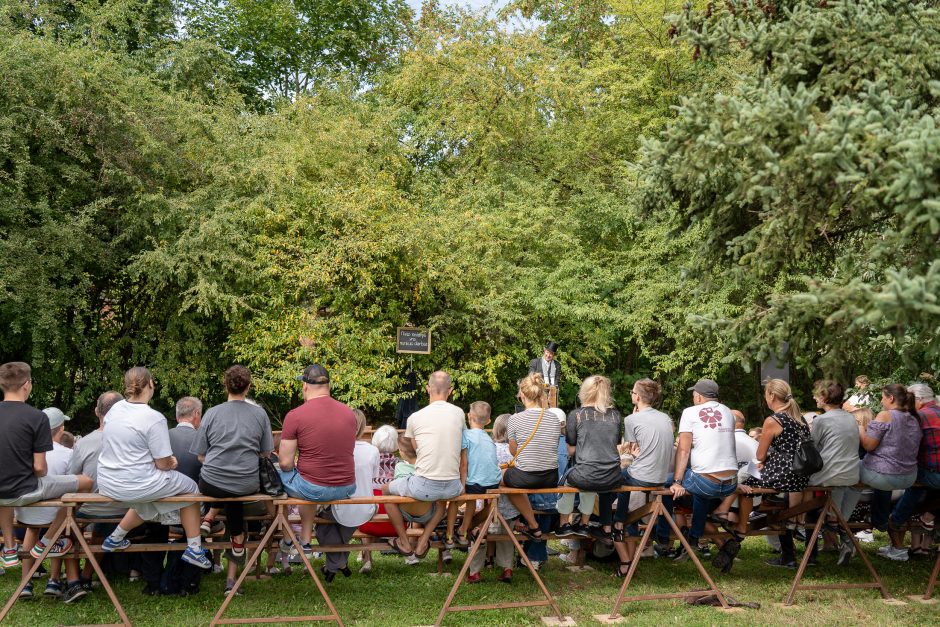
[
  {"x": 807, "y": 460},
  {"x": 269, "y": 477}
]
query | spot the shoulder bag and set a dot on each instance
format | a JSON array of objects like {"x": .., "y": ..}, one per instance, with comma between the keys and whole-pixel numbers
[{"x": 512, "y": 462}]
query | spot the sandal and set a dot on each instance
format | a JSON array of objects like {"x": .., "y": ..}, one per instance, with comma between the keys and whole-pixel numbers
[
  {"x": 531, "y": 534},
  {"x": 420, "y": 556},
  {"x": 617, "y": 535},
  {"x": 393, "y": 542},
  {"x": 623, "y": 569}
]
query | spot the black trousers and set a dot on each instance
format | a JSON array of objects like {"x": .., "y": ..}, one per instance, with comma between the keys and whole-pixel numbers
[{"x": 234, "y": 510}]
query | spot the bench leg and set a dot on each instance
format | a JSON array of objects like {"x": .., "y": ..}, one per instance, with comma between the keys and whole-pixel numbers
[
  {"x": 660, "y": 510},
  {"x": 466, "y": 566},
  {"x": 280, "y": 522},
  {"x": 89, "y": 555},
  {"x": 830, "y": 507},
  {"x": 36, "y": 564},
  {"x": 933, "y": 578}
]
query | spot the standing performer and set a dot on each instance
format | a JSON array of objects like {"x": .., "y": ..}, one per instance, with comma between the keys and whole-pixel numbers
[{"x": 550, "y": 371}]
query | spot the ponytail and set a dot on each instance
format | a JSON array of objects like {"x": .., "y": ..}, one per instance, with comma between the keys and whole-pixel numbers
[
  {"x": 905, "y": 400},
  {"x": 780, "y": 390}
]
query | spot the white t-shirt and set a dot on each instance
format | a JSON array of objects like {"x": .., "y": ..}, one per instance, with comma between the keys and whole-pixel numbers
[
  {"x": 437, "y": 430},
  {"x": 745, "y": 449},
  {"x": 134, "y": 435},
  {"x": 712, "y": 427},
  {"x": 366, "y": 459},
  {"x": 57, "y": 462}
]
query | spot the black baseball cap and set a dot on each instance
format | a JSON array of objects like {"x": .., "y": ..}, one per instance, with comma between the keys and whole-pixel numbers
[{"x": 315, "y": 374}]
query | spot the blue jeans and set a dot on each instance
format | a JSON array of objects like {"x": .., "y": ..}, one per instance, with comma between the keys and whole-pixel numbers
[
  {"x": 299, "y": 488},
  {"x": 623, "y": 499},
  {"x": 904, "y": 508},
  {"x": 706, "y": 496},
  {"x": 882, "y": 485}
]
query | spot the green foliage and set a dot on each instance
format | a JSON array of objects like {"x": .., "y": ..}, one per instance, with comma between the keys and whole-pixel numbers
[
  {"x": 285, "y": 48},
  {"x": 817, "y": 178}
]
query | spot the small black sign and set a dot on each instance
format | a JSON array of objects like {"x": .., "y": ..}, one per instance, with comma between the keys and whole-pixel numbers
[{"x": 414, "y": 341}]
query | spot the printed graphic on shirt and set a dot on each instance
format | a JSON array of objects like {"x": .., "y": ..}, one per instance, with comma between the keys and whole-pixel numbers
[{"x": 710, "y": 417}]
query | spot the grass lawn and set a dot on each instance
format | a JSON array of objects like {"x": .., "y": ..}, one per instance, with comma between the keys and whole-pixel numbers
[{"x": 396, "y": 594}]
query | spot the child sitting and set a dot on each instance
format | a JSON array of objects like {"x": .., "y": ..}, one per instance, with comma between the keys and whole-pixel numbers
[{"x": 483, "y": 471}]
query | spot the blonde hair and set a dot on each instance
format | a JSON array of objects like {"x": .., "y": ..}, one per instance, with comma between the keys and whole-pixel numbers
[
  {"x": 480, "y": 412},
  {"x": 385, "y": 439},
  {"x": 532, "y": 388},
  {"x": 406, "y": 449},
  {"x": 780, "y": 390},
  {"x": 135, "y": 380},
  {"x": 500, "y": 426},
  {"x": 595, "y": 392},
  {"x": 863, "y": 416},
  {"x": 360, "y": 421}
]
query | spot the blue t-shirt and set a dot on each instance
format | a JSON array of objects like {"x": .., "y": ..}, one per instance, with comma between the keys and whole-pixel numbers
[{"x": 482, "y": 467}]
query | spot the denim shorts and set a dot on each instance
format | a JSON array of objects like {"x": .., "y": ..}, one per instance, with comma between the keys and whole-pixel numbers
[
  {"x": 422, "y": 489},
  {"x": 299, "y": 488}
]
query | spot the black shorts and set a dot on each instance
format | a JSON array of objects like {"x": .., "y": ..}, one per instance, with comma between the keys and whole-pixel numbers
[
  {"x": 515, "y": 478},
  {"x": 473, "y": 488}
]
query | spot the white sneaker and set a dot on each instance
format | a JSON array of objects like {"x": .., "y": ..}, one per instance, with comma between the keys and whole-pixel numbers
[
  {"x": 366, "y": 568},
  {"x": 896, "y": 555},
  {"x": 865, "y": 536},
  {"x": 884, "y": 550},
  {"x": 411, "y": 560},
  {"x": 569, "y": 558}
]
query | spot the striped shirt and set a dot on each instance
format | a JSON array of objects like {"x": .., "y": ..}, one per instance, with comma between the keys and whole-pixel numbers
[{"x": 541, "y": 453}]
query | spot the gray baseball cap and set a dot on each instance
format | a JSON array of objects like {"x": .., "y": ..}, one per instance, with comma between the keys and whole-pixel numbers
[
  {"x": 56, "y": 417},
  {"x": 705, "y": 387}
]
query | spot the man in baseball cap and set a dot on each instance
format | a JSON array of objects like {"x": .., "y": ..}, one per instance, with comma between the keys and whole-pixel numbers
[
  {"x": 56, "y": 418},
  {"x": 706, "y": 388},
  {"x": 315, "y": 374}
]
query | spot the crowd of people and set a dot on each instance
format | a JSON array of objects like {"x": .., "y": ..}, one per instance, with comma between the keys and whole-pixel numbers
[{"x": 705, "y": 464}]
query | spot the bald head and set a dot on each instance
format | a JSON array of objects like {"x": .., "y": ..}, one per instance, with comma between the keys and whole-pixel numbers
[
  {"x": 105, "y": 402},
  {"x": 738, "y": 419},
  {"x": 439, "y": 386}
]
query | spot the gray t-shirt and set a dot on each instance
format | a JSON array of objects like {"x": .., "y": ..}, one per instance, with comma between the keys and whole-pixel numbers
[
  {"x": 231, "y": 437},
  {"x": 836, "y": 436},
  {"x": 85, "y": 462},
  {"x": 652, "y": 430},
  {"x": 595, "y": 436}
]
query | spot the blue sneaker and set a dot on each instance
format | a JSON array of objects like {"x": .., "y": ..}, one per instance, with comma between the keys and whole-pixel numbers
[
  {"x": 54, "y": 589},
  {"x": 109, "y": 545},
  {"x": 27, "y": 592},
  {"x": 198, "y": 558}
]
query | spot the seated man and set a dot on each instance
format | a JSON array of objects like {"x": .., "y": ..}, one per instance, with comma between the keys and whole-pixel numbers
[
  {"x": 25, "y": 438},
  {"x": 440, "y": 467},
  {"x": 706, "y": 463},
  {"x": 321, "y": 436}
]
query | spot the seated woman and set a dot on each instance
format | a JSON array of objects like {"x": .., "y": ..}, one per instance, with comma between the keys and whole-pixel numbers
[
  {"x": 891, "y": 442},
  {"x": 592, "y": 433},
  {"x": 348, "y": 517},
  {"x": 781, "y": 437},
  {"x": 836, "y": 436},
  {"x": 533, "y": 441},
  {"x": 231, "y": 438},
  {"x": 385, "y": 439},
  {"x": 136, "y": 467}
]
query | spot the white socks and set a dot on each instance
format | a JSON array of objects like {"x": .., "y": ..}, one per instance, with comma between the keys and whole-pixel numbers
[
  {"x": 195, "y": 543},
  {"x": 118, "y": 534}
]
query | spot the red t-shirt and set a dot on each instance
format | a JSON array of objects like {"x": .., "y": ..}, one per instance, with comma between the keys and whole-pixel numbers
[{"x": 325, "y": 430}]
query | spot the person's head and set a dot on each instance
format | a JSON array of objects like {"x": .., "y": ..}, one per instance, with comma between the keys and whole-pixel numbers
[
  {"x": 896, "y": 396},
  {"x": 16, "y": 380},
  {"x": 406, "y": 449},
  {"x": 500, "y": 426},
  {"x": 863, "y": 416},
  {"x": 385, "y": 439},
  {"x": 531, "y": 390},
  {"x": 439, "y": 386},
  {"x": 361, "y": 423},
  {"x": 779, "y": 397},
  {"x": 138, "y": 384},
  {"x": 703, "y": 391},
  {"x": 189, "y": 409},
  {"x": 550, "y": 349},
  {"x": 828, "y": 394},
  {"x": 755, "y": 432},
  {"x": 647, "y": 393},
  {"x": 862, "y": 382},
  {"x": 739, "y": 419},
  {"x": 67, "y": 439},
  {"x": 105, "y": 402},
  {"x": 479, "y": 414},
  {"x": 559, "y": 415},
  {"x": 57, "y": 420},
  {"x": 595, "y": 392},
  {"x": 922, "y": 394},
  {"x": 316, "y": 382},
  {"x": 237, "y": 380}
]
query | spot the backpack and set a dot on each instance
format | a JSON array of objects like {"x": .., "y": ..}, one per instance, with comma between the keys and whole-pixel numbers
[{"x": 179, "y": 577}]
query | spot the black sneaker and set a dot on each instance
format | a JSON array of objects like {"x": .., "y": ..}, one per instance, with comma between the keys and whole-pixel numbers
[
  {"x": 705, "y": 551},
  {"x": 582, "y": 531},
  {"x": 681, "y": 555},
  {"x": 565, "y": 531},
  {"x": 74, "y": 592},
  {"x": 663, "y": 550},
  {"x": 600, "y": 535},
  {"x": 782, "y": 562}
]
